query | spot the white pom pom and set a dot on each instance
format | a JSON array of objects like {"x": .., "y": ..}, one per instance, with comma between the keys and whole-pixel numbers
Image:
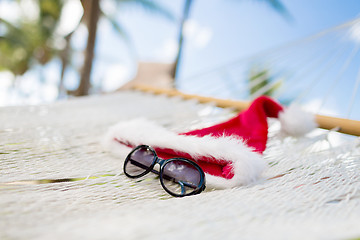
[{"x": 296, "y": 122}]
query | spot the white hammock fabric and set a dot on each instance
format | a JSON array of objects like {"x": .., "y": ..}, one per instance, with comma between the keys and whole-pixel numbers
[{"x": 311, "y": 189}]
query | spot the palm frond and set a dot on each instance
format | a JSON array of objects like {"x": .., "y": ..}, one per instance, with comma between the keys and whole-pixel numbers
[
  {"x": 151, "y": 6},
  {"x": 13, "y": 34},
  {"x": 116, "y": 25},
  {"x": 279, "y": 7}
]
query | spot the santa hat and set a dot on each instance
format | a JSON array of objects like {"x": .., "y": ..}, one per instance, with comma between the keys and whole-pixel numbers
[{"x": 230, "y": 153}]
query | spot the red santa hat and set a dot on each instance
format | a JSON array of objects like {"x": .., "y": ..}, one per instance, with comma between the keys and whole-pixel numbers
[{"x": 230, "y": 153}]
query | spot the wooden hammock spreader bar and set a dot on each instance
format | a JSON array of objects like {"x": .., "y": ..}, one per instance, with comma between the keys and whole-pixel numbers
[
  {"x": 346, "y": 126},
  {"x": 238, "y": 105}
]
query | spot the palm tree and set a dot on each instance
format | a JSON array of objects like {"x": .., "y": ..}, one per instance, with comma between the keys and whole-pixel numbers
[
  {"x": 92, "y": 14},
  {"x": 185, "y": 16},
  {"x": 26, "y": 43}
]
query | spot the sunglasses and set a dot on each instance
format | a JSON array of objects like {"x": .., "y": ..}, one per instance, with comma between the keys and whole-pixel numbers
[{"x": 178, "y": 176}]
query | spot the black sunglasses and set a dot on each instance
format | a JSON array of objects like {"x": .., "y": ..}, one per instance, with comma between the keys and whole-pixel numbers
[{"x": 178, "y": 176}]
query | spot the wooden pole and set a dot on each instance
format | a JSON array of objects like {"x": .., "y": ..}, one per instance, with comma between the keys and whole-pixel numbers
[{"x": 346, "y": 126}]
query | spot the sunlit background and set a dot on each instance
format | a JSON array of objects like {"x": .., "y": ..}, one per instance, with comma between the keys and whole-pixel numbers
[{"x": 219, "y": 37}]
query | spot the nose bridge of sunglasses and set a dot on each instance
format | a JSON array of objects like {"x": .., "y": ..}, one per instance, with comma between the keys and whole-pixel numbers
[
  {"x": 157, "y": 166},
  {"x": 160, "y": 161}
]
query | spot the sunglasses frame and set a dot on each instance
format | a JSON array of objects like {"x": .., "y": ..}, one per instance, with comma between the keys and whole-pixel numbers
[{"x": 162, "y": 163}]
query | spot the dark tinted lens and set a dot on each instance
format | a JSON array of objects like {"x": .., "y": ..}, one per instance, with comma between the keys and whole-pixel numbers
[
  {"x": 139, "y": 161},
  {"x": 181, "y": 177}
]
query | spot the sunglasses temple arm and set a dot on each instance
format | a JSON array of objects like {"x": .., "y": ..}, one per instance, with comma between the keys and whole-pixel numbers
[
  {"x": 186, "y": 184},
  {"x": 182, "y": 187}
]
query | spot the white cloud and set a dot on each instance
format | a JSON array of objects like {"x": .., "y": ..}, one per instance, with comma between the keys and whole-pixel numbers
[
  {"x": 315, "y": 106},
  {"x": 49, "y": 92},
  {"x": 6, "y": 81},
  {"x": 203, "y": 37},
  {"x": 78, "y": 40},
  {"x": 70, "y": 17},
  {"x": 104, "y": 27},
  {"x": 355, "y": 32},
  {"x": 190, "y": 28},
  {"x": 115, "y": 76},
  {"x": 29, "y": 83},
  {"x": 10, "y": 10},
  {"x": 109, "y": 7},
  {"x": 197, "y": 34},
  {"x": 30, "y": 9},
  {"x": 167, "y": 51},
  {"x": 6, "y": 78}
]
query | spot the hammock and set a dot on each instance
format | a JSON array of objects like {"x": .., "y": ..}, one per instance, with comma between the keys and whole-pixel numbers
[{"x": 56, "y": 181}]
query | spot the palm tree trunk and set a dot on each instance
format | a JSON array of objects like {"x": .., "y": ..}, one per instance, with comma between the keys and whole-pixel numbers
[
  {"x": 93, "y": 9},
  {"x": 185, "y": 16}
]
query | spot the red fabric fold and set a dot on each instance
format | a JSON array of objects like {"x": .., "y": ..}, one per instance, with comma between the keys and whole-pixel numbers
[{"x": 250, "y": 126}]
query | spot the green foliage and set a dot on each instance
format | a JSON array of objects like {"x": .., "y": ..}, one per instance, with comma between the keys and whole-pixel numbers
[
  {"x": 259, "y": 79},
  {"x": 26, "y": 42}
]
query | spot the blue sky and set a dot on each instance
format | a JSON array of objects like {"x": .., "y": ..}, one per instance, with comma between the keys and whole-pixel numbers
[
  {"x": 219, "y": 32},
  {"x": 236, "y": 28}
]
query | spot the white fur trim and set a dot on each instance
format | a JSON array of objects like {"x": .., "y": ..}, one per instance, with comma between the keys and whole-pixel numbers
[
  {"x": 247, "y": 164},
  {"x": 296, "y": 122}
]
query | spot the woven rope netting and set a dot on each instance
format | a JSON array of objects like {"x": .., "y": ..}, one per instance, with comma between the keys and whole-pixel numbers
[
  {"x": 310, "y": 190},
  {"x": 322, "y": 72}
]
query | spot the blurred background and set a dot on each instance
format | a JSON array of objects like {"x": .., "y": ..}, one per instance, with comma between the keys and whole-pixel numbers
[{"x": 238, "y": 49}]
